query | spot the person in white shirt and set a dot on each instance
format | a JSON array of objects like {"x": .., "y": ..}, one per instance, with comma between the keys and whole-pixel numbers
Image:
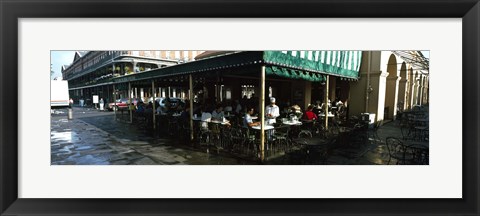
[
  {"x": 238, "y": 107},
  {"x": 247, "y": 119},
  {"x": 206, "y": 117},
  {"x": 218, "y": 114},
  {"x": 272, "y": 111}
]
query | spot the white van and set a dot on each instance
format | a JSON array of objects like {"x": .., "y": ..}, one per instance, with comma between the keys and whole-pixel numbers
[{"x": 59, "y": 94}]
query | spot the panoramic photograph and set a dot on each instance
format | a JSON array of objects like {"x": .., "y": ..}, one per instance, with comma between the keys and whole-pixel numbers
[{"x": 192, "y": 107}]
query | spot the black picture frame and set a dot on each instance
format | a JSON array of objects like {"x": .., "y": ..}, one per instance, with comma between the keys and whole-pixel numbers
[{"x": 11, "y": 11}]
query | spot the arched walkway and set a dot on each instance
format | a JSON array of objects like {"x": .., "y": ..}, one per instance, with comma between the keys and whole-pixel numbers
[
  {"x": 403, "y": 88},
  {"x": 391, "y": 96},
  {"x": 411, "y": 88}
]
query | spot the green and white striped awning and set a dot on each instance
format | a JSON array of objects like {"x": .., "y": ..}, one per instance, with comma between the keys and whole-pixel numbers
[
  {"x": 306, "y": 65},
  {"x": 309, "y": 65}
]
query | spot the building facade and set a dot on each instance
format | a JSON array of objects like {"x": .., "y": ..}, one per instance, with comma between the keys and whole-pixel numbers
[{"x": 90, "y": 71}]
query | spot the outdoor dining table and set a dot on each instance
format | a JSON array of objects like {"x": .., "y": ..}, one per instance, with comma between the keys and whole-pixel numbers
[
  {"x": 229, "y": 115},
  {"x": 220, "y": 122},
  {"x": 330, "y": 115},
  {"x": 292, "y": 123},
  {"x": 266, "y": 127}
]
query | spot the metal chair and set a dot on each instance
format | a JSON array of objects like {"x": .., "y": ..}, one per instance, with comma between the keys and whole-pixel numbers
[
  {"x": 281, "y": 140},
  {"x": 396, "y": 150},
  {"x": 420, "y": 155}
]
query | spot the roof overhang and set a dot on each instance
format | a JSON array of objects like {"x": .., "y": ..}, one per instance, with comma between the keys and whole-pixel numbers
[{"x": 311, "y": 65}]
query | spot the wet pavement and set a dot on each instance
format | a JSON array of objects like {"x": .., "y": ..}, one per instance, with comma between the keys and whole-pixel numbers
[{"x": 94, "y": 137}]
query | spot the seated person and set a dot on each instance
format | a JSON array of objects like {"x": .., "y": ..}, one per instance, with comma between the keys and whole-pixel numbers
[
  {"x": 247, "y": 120},
  {"x": 131, "y": 107},
  {"x": 328, "y": 107},
  {"x": 228, "y": 108},
  {"x": 309, "y": 114},
  {"x": 296, "y": 111},
  {"x": 185, "y": 117},
  {"x": 217, "y": 114},
  {"x": 206, "y": 117},
  {"x": 339, "y": 103},
  {"x": 317, "y": 109},
  {"x": 140, "y": 108},
  {"x": 161, "y": 110},
  {"x": 149, "y": 108}
]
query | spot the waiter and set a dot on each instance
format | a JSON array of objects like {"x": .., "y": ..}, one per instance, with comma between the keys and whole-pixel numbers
[{"x": 272, "y": 112}]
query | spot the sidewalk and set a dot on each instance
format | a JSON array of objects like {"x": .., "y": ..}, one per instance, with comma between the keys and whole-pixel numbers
[{"x": 94, "y": 137}]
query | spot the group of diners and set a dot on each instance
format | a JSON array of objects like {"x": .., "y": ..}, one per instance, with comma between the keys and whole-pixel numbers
[
  {"x": 247, "y": 116},
  {"x": 241, "y": 112}
]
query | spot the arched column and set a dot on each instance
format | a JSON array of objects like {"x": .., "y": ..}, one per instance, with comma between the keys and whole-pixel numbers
[
  {"x": 416, "y": 81},
  {"x": 403, "y": 88},
  {"x": 412, "y": 88},
  {"x": 368, "y": 93},
  {"x": 420, "y": 88},
  {"x": 425, "y": 90},
  {"x": 391, "y": 91}
]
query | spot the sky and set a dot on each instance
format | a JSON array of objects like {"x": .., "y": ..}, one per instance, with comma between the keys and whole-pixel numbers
[
  {"x": 426, "y": 54},
  {"x": 59, "y": 58}
]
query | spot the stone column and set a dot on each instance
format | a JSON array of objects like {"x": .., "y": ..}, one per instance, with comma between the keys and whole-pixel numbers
[
  {"x": 420, "y": 90},
  {"x": 425, "y": 90},
  {"x": 402, "y": 92},
  {"x": 359, "y": 90},
  {"x": 391, "y": 98}
]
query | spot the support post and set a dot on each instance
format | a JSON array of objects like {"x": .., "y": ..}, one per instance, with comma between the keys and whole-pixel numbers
[
  {"x": 153, "y": 105},
  {"x": 262, "y": 113},
  {"x": 130, "y": 101},
  {"x": 367, "y": 89},
  {"x": 326, "y": 101},
  {"x": 114, "y": 102},
  {"x": 190, "y": 96}
]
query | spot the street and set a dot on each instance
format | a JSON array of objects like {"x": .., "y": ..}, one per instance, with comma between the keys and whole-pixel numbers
[{"x": 94, "y": 137}]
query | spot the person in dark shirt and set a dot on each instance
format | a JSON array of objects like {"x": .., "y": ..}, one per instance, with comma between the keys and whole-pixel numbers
[{"x": 185, "y": 117}]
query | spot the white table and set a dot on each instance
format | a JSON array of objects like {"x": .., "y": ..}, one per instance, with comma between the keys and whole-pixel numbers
[
  {"x": 292, "y": 123},
  {"x": 220, "y": 122},
  {"x": 330, "y": 115},
  {"x": 267, "y": 127},
  {"x": 198, "y": 118}
]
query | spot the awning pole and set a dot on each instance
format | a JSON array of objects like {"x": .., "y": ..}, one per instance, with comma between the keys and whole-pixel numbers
[
  {"x": 262, "y": 114},
  {"x": 153, "y": 105},
  {"x": 367, "y": 91},
  {"x": 326, "y": 102},
  {"x": 130, "y": 102},
  {"x": 114, "y": 102},
  {"x": 190, "y": 96}
]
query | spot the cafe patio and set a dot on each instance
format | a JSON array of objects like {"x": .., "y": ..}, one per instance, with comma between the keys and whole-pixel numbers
[{"x": 296, "y": 77}]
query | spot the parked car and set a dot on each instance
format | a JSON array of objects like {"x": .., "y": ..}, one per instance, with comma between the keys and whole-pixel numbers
[
  {"x": 121, "y": 104},
  {"x": 173, "y": 102}
]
